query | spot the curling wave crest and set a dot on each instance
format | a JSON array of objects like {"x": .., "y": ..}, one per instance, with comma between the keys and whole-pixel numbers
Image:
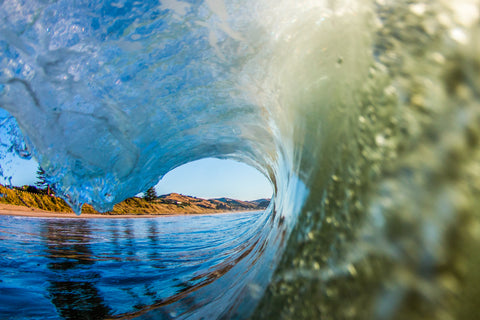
[{"x": 364, "y": 116}]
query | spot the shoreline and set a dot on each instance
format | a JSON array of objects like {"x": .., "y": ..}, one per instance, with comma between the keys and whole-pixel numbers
[{"x": 22, "y": 211}]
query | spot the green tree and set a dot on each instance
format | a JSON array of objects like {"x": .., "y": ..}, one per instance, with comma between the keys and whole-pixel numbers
[
  {"x": 42, "y": 180},
  {"x": 150, "y": 194}
]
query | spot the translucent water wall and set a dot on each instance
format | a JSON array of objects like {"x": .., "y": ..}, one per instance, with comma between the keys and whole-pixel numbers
[{"x": 364, "y": 115}]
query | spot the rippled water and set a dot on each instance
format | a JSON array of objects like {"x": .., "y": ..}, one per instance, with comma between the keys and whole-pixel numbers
[{"x": 113, "y": 268}]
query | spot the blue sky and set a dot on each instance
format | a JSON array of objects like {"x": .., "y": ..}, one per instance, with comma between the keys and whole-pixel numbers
[
  {"x": 207, "y": 178},
  {"x": 214, "y": 178}
]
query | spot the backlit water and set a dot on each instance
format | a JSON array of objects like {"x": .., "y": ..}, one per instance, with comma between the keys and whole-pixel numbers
[
  {"x": 54, "y": 268},
  {"x": 363, "y": 114}
]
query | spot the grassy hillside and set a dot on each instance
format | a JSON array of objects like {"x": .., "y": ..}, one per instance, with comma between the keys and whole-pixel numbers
[{"x": 167, "y": 204}]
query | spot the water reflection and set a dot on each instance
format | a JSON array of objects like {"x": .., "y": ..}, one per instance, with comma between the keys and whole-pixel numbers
[
  {"x": 118, "y": 268},
  {"x": 153, "y": 237},
  {"x": 129, "y": 237},
  {"x": 73, "y": 291}
]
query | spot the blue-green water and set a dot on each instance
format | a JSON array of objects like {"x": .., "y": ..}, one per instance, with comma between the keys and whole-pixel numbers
[
  {"x": 363, "y": 115},
  {"x": 102, "y": 268}
]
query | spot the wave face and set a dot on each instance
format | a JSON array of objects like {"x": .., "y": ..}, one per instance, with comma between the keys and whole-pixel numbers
[{"x": 364, "y": 115}]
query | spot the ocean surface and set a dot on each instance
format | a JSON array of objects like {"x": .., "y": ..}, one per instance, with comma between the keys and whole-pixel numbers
[
  {"x": 118, "y": 268},
  {"x": 364, "y": 115}
]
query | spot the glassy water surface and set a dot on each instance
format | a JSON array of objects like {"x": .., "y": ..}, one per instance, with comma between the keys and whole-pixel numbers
[{"x": 112, "y": 268}]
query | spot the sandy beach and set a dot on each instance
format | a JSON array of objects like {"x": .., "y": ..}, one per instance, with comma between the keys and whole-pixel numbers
[{"x": 14, "y": 210}]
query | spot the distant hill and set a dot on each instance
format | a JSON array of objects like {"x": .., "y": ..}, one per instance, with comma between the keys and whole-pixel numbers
[
  {"x": 222, "y": 204},
  {"x": 261, "y": 203},
  {"x": 172, "y": 203}
]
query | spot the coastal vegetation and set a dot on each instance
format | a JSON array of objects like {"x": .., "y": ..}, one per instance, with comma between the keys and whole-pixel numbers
[
  {"x": 31, "y": 197},
  {"x": 150, "y": 194}
]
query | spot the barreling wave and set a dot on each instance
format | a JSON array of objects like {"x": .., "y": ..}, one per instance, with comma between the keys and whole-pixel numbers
[{"x": 364, "y": 115}]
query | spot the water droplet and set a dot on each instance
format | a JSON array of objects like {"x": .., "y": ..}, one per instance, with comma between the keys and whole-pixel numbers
[
  {"x": 459, "y": 35},
  {"x": 390, "y": 90},
  {"x": 418, "y": 8},
  {"x": 255, "y": 290},
  {"x": 438, "y": 58},
  {"x": 351, "y": 269},
  {"x": 380, "y": 140}
]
